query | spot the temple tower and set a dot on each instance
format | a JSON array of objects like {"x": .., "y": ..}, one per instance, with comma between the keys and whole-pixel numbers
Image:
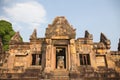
[{"x": 60, "y": 45}]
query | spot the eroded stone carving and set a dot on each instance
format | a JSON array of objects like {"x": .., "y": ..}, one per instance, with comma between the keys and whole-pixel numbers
[
  {"x": 100, "y": 46},
  {"x": 16, "y": 38},
  {"x": 60, "y": 27},
  {"x": 60, "y": 62},
  {"x": 88, "y": 35},
  {"x": 34, "y": 35},
  {"x": 72, "y": 46},
  {"x": 104, "y": 40}
]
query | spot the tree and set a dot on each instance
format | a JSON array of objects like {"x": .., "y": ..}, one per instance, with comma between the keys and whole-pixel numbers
[{"x": 6, "y": 32}]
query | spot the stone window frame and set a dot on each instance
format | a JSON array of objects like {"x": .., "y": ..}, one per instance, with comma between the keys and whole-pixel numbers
[{"x": 84, "y": 59}]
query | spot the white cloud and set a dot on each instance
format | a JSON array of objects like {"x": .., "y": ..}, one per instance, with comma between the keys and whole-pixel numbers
[
  {"x": 31, "y": 13},
  {"x": 4, "y": 18},
  {"x": 24, "y": 16}
]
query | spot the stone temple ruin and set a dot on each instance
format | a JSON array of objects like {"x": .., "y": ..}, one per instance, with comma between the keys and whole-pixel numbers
[{"x": 59, "y": 56}]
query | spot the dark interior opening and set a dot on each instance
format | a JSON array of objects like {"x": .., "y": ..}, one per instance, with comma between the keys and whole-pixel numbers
[
  {"x": 84, "y": 59},
  {"x": 61, "y": 53},
  {"x": 33, "y": 59},
  {"x": 40, "y": 61},
  {"x": 36, "y": 59}
]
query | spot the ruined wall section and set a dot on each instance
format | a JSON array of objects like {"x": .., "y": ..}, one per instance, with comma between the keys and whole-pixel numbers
[
  {"x": 18, "y": 54},
  {"x": 113, "y": 59},
  {"x": 37, "y": 46},
  {"x": 38, "y": 50},
  {"x": 84, "y": 50},
  {"x": 18, "y": 57}
]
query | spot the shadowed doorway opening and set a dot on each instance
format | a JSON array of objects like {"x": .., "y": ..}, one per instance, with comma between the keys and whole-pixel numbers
[{"x": 60, "y": 57}]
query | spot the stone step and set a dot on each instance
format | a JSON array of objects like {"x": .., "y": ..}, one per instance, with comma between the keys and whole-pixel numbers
[
  {"x": 61, "y": 73},
  {"x": 60, "y": 78}
]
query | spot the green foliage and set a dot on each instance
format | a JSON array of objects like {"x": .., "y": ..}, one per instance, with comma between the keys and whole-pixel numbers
[{"x": 6, "y": 32}]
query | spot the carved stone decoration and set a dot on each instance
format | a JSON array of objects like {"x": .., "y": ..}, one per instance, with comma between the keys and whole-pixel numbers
[
  {"x": 73, "y": 62},
  {"x": 48, "y": 41},
  {"x": 72, "y": 46},
  {"x": 104, "y": 40},
  {"x": 119, "y": 45},
  {"x": 48, "y": 48},
  {"x": 117, "y": 63},
  {"x": 60, "y": 62},
  {"x": 34, "y": 35},
  {"x": 73, "y": 54},
  {"x": 48, "y": 55},
  {"x": 59, "y": 31},
  {"x": 60, "y": 27},
  {"x": 16, "y": 38},
  {"x": 88, "y": 35},
  {"x": 100, "y": 46}
]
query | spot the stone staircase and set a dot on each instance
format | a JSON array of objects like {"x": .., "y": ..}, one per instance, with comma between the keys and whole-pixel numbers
[{"x": 60, "y": 75}]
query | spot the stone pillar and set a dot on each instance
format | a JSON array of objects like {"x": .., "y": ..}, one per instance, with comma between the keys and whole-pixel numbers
[
  {"x": 48, "y": 55},
  {"x": 73, "y": 54},
  {"x": 52, "y": 57},
  {"x": 68, "y": 62}
]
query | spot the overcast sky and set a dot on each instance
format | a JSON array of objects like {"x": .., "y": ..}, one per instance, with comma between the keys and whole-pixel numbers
[{"x": 96, "y": 16}]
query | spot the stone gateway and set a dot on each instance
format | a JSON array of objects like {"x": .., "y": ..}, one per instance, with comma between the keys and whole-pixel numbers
[{"x": 60, "y": 56}]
